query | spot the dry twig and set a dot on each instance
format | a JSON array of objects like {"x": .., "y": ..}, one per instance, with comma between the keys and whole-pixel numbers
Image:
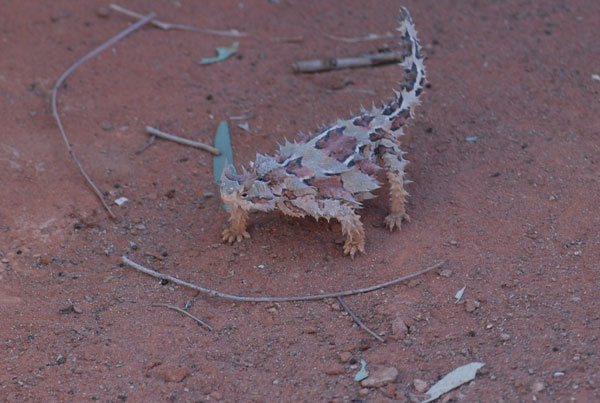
[
  {"x": 200, "y": 321},
  {"x": 370, "y": 37},
  {"x": 287, "y": 39},
  {"x": 64, "y": 76},
  {"x": 167, "y": 25},
  {"x": 334, "y": 63},
  {"x": 274, "y": 299},
  {"x": 358, "y": 321},
  {"x": 181, "y": 140},
  {"x": 355, "y": 90}
]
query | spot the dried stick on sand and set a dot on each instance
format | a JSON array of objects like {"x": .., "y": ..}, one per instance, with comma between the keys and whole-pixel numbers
[
  {"x": 334, "y": 63},
  {"x": 214, "y": 293},
  {"x": 64, "y": 76},
  {"x": 181, "y": 140},
  {"x": 175, "y": 308},
  {"x": 358, "y": 321},
  {"x": 167, "y": 25}
]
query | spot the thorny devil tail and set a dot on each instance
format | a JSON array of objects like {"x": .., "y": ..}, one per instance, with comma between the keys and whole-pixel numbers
[{"x": 398, "y": 111}]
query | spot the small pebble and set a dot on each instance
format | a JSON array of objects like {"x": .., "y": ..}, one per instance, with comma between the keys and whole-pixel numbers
[
  {"x": 505, "y": 337},
  {"x": 446, "y": 273},
  {"x": 363, "y": 392},
  {"x": 103, "y": 12},
  {"x": 335, "y": 369},
  {"x": 106, "y": 125},
  {"x": 174, "y": 374},
  {"x": 208, "y": 194},
  {"x": 558, "y": 373},
  {"x": 471, "y": 305},
  {"x": 390, "y": 390},
  {"x": 538, "y": 387},
  {"x": 216, "y": 395},
  {"x": 345, "y": 356},
  {"x": 420, "y": 385},
  {"x": 380, "y": 378},
  {"x": 77, "y": 309},
  {"x": 399, "y": 328}
]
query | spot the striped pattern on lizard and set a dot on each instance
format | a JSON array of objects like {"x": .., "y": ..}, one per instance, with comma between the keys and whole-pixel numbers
[{"x": 328, "y": 174}]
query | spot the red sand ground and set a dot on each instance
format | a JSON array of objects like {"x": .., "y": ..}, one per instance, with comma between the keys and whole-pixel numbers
[{"x": 514, "y": 213}]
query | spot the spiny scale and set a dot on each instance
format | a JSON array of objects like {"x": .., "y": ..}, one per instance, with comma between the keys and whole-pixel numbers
[{"x": 327, "y": 174}]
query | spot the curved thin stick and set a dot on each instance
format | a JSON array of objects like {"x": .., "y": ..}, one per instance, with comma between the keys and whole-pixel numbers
[
  {"x": 64, "y": 76},
  {"x": 175, "y": 308},
  {"x": 273, "y": 299},
  {"x": 166, "y": 25},
  {"x": 358, "y": 321}
]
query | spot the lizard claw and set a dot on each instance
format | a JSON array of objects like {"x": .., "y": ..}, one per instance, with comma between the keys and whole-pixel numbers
[
  {"x": 353, "y": 247},
  {"x": 395, "y": 220},
  {"x": 231, "y": 236}
]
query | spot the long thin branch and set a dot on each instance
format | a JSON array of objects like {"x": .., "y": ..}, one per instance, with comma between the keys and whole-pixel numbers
[
  {"x": 167, "y": 25},
  {"x": 64, "y": 76},
  {"x": 358, "y": 321},
  {"x": 175, "y": 308},
  {"x": 336, "y": 63},
  {"x": 181, "y": 140},
  {"x": 273, "y": 299}
]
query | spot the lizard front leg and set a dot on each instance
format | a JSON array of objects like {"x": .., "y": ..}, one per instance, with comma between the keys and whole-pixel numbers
[{"x": 237, "y": 231}]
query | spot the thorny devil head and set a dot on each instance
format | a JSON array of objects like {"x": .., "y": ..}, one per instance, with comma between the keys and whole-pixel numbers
[
  {"x": 248, "y": 191},
  {"x": 329, "y": 173}
]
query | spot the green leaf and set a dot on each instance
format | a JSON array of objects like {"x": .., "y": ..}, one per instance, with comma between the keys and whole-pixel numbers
[
  {"x": 363, "y": 373},
  {"x": 223, "y": 52},
  {"x": 223, "y": 143}
]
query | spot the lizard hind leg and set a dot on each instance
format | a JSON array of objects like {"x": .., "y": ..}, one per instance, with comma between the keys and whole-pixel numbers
[
  {"x": 394, "y": 165},
  {"x": 353, "y": 229}
]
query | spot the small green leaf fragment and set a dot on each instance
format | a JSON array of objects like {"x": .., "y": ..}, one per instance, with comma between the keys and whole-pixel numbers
[
  {"x": 363, "y": 373},
  {"x": 223, "y": 143},
  {"x": 223, "y": 52}
]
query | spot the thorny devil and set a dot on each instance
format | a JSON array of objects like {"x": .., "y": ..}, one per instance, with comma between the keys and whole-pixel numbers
[{"x": 329, "y": 173}]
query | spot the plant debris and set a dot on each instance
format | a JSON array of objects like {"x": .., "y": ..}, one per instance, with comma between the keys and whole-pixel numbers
[
  {"x": 459, "y": 294},
  {"x": 368, "y": 37},
  {"x": 223, "y": 52},
  {"x": 362, "y": 373},
  {"x": 454, "y": 379},
  {"x": 223, "y": 144}
]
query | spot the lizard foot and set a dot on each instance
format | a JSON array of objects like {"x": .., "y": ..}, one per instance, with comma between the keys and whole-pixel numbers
[
  {"x": 395, "y": 220},
  {"x": 232, "y": 236},
  {"x": 354, "y": 246}
]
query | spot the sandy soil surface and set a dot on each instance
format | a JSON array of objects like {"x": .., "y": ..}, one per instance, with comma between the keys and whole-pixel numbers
[{"x": 505, "y": 159}]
